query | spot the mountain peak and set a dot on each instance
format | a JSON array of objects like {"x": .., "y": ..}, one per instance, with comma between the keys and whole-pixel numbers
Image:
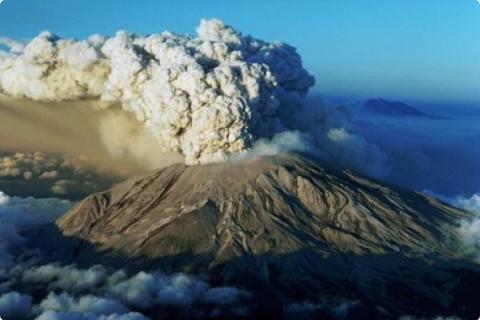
[
  {"x": 391, "y": 108},
  {"x": 293, "y": 228},
  {"x": 278, "y": 203}
]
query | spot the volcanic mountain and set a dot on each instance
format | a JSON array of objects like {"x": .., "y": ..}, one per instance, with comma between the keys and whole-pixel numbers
[
  {"x": 289, "y": 230},
  {"x": 391, "y": 108}
]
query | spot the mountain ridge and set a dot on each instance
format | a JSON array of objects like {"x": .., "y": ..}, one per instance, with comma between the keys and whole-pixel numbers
[
  {"x": 290, "y": 230},
  {"x": 207, "y": 190}
]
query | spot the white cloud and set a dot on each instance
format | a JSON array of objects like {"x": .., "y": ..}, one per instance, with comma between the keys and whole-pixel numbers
[
  {"x": 471, "y": 204},
  {"x": 3, "y": 199},
  {"x": 469, "y": 229},
  {"x": 53, "y": 315},
  {"x": 145, "y": 290},
  {"x": 88, "y": 304},
  {"x": 66, "y": 278},
  {"x": 338, "y": 134}
]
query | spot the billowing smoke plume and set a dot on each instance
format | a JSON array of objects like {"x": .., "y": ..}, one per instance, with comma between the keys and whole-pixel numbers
[
  {"x": 125, "y": 138},
  {"x": 206, "y": 97}
]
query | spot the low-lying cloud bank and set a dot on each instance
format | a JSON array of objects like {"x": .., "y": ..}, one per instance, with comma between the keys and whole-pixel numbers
[
  {"x": 42, "y": 175},
  {"x": 30, "y": 289},
  {"x": 469, "y": 229},
  {"x": 19, "y": 214},
  {"x": 471, "y": 204}
]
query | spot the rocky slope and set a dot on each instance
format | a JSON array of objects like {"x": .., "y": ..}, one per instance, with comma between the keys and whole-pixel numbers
[{"x": 290, "y": 230}]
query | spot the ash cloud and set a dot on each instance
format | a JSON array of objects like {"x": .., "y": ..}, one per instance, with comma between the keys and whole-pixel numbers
[
  {"x": 107, "y": 136},
  {"x": 125, "y": 138},
  {"x": 281, "y": 142},
  {"x": 206, "y": 96},
  {"x": 329, "y": 132},
  {"x": 219, "y": 95}
]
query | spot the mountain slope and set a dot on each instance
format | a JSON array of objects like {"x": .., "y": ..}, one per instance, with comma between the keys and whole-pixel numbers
[
  {"x": 288, "y": 228},
  {"x": 391, "y": 108},
  {"x": 280, "y": 205}
]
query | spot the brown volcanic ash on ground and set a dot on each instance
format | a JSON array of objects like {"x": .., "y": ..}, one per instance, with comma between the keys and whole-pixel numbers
[{"x": 291, "y": 227}]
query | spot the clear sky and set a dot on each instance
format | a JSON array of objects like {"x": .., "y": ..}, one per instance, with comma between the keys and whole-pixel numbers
[{"x": 414, "y": 50}]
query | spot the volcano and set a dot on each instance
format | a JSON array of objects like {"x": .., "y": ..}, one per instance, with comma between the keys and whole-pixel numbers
[
  {"x": 289, "y": 230},
  {"x": 391, "y": 108}
]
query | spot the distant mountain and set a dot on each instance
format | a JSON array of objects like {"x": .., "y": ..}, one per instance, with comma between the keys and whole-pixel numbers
[
  {"x": 289, "y": 230},
  {"x": 391, "y": 108}
]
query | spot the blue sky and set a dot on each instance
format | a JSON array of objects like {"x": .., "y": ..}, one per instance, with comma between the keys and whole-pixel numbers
[{"x": 413, "y": 50}]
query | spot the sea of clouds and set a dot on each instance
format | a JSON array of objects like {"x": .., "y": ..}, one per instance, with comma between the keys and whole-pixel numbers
[
  {"x": 45, "y": 175},
  {"x": 31, "y": 287}
]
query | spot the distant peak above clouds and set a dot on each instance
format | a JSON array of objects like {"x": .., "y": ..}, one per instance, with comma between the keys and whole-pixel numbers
[
  {"x": 392, "y": 108},
  {"x": 388, "y": 108}
]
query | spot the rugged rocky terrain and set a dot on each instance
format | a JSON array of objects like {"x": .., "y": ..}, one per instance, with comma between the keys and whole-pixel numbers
[{"x": 289, "y": 230}]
